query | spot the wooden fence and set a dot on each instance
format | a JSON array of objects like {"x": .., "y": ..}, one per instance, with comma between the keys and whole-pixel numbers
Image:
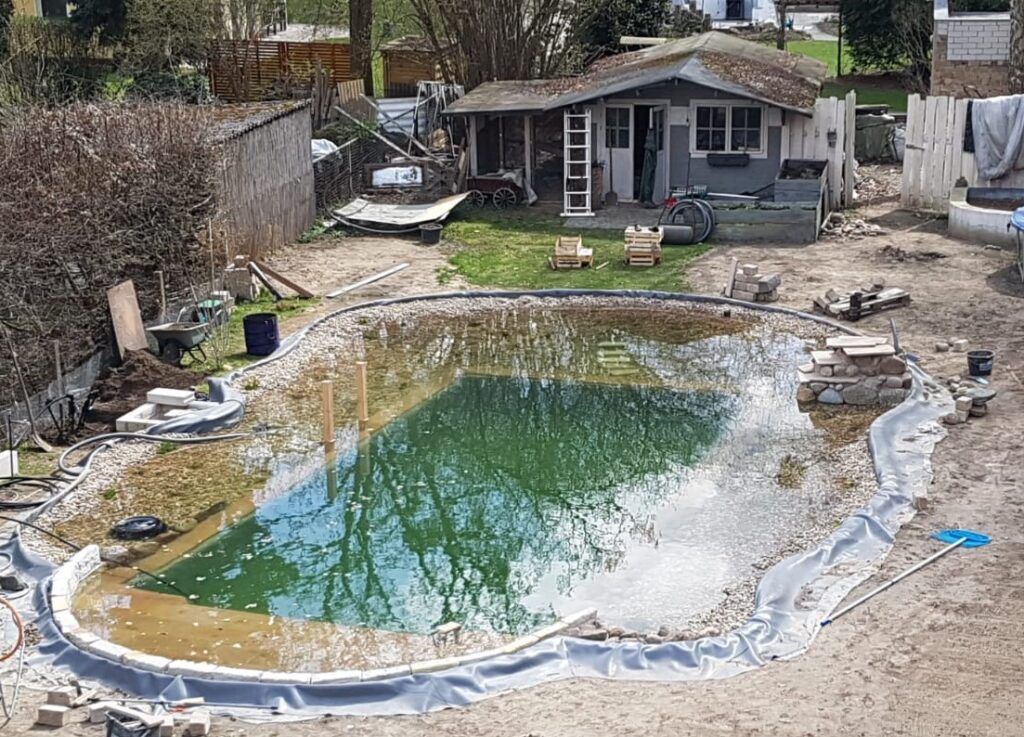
[
  {"x": 935, "y": 158},
  {"x": 248, "y": 71},
  {"x": 829, "y": 136}
]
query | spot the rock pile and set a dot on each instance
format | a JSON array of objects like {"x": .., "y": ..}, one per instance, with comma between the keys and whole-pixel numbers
[
  {"x": 857, "y": 370},
  {"x": 751, "y": 286},
  {"x": 838, "y": 225},
  {"x": 971, "y": 400}
]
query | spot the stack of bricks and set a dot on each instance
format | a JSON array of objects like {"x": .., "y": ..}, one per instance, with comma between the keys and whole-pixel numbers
[
  {"x": 857, "y": 370},
  {"x": 751, "y": 286}
]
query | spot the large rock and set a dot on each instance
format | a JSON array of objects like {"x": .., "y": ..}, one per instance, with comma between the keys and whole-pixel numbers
[
  {"x": 804, "y": 393},
  {"x": 860, "y": 394},
  {"x": 830, "y": 396},
  {"x": 892, "y": 396},
  {"x": 892, "y": 365}
]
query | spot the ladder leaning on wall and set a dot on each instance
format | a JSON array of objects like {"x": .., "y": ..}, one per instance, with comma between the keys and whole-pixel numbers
[{"x": 576, "y": 181}]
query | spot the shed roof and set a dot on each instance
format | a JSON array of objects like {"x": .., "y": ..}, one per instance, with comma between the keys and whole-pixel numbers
[
  {"x": 232, "y": 121},
  {"x": 717, "y": 60}
]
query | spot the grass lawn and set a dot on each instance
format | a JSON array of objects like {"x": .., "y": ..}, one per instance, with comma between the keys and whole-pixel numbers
[
  {"x": 882, "y": 93},
  {"x": 823, "y": 51},
  {"x": 510, "y": 249},
  {"x": 225, "y": 350}
]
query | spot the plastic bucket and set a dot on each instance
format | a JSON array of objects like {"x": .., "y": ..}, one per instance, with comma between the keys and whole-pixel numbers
[
  {"x": 261, "y": 336},
  {"x": 979, "y": 363},
  {"x": 430, "y": 234}
]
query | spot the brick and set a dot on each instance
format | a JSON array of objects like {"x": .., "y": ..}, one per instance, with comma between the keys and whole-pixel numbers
[
  {"x": 198, "y": 724},
  {"x": 50, "y": 715},
  {"x": 61, "y": 696},
  {"x": 167, "y": 726},
  {"x": 98, "y": 711}
]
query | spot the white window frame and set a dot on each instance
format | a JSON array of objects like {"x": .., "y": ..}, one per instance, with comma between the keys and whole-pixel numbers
[{"x": 760, "y": 153}]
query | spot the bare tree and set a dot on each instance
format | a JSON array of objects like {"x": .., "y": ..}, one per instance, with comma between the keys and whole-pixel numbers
[
  {"x": 780, "y": 19},
  {"x": 1017, "y": 47},
  {"x": 483, "y": 40}
]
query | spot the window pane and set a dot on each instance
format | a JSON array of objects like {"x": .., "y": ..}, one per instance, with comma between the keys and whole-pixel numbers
[
  {"x": 703, "y": 140},
  {"x": 623, "y": 137},
  {"x": 753, "y": 117},
  {"x": 719, "y": 117},
  {"x": 717, "y": 140},
  {"x": 739, "y": 140},
  {"x": 703, "y": 116},
  {"x": 754, "y": 140}
]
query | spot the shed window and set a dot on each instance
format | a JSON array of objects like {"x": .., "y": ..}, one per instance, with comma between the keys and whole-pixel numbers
[
  {"x": 617, "y": 127},
  {"x": 727, "y": 128}
]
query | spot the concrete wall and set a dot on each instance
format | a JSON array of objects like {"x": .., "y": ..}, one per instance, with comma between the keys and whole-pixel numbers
[{"x": 969, "y": 53}]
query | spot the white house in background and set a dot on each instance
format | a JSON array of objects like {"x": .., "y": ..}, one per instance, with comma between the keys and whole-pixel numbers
[{"x": 760, "y": 11}]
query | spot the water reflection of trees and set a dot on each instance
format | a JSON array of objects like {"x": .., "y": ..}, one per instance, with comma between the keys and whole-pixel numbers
[{"x": 457, "y": 510}]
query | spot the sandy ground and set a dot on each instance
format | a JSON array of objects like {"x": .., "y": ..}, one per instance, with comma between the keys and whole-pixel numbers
[{"x": 938, "y": 654}]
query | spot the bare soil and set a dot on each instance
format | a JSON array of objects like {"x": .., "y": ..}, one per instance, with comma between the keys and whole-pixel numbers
[
  {"x": 938, "y": 654},
  {"x": 123, "y": 388}
]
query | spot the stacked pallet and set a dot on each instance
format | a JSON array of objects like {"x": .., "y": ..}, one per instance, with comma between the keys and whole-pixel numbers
[
  {"x": 857, "y": 370},
  {"x": 643, "y": 246},
  {"x": 749, "y": 285}
]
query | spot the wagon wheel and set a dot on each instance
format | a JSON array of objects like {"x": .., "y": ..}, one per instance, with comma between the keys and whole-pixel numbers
[
  {"x": 477, "y": 198},
  {"x": 504, "y": 197}
]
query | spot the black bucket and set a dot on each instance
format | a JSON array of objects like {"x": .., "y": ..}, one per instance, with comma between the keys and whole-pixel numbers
[
  {"x": 430, "y": 234},
  {"x": 261, "y": 336},
  {"x": 979, "y": 363}
]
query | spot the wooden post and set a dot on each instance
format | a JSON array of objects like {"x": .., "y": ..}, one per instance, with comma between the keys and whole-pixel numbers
[
  {"x": 528, "y": 149},
  {"x": 361, "y": 403},
  {"x": 59, "y": 369},
  {"x": 327, "y": 402},
  {"x": 163, "y": 294}
]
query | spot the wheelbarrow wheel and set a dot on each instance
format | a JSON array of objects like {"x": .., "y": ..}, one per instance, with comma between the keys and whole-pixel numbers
[
  {"x": 504, "y": 198},
  {"x": 172, "y": 352},
  {"x": 477, "y": 198}
]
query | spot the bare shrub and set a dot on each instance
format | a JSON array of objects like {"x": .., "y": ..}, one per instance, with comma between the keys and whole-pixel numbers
[{"x": 92, "y": 195}]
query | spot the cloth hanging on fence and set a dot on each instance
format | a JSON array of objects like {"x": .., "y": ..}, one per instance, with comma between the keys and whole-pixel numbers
[{"x": 998, "y": 124}]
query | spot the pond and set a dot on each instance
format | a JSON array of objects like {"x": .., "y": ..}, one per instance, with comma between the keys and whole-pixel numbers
[{"x": 521, "y": 464}]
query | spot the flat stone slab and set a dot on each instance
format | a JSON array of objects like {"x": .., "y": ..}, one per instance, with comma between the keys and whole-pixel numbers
[
  {"x": 853, "y": 341},
  {"x": 807, "y": 377},
  {"x": 827, "y": 358},
  {"x": 875, "y": 350}
]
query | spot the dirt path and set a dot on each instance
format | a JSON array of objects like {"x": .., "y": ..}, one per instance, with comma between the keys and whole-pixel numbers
[{"x": 940, "y": 653}]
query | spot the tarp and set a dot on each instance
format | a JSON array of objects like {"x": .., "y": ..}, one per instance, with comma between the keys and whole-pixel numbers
[
  {"x": 998, "y": 124},
  {"x": 791, "y": 600},
  {"x": 383, "y": 213}
]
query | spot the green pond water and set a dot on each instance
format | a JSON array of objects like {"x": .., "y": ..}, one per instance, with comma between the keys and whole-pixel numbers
[
  {"x": 552, "y": 460},
  {"x": 459, "y": 509}
]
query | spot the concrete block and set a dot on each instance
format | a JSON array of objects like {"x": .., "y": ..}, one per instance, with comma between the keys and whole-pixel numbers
[
  {"x": 171, "y": 397},
  {"x": 142, "y": 661},
  {"x": 520, "y": 643},
  {"x": 380, "y": 674},
  {"x": 226, "y": 673},
  {"x": 64, "y": 696},
  {"x": 480, "y": 656},
  {"x": 108, "y": 650},
  {"x": 198, "y": 724},
  {"x": 431, "y": 666},
  {"x": 744, "y": 295},
  {"x": 60, "y": 603},
  {"x": 749, "y": 269},
  {"x": 335, "y": 676},
  {"x": 167, "y": 726},
  {"x": 190, "y": 669},
  {"x": 66, "y": 621},
  {"x": 280, "y": 676},
  {"x": 98, "y": 711},
  {"x": 50, "y": 715},
  {"x": 82, "y": 638}
]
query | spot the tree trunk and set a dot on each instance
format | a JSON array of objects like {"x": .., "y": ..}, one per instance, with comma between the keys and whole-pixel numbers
[
  {"x": 780, "y": 13},
  {"x": 360, "y": 14},
  {"x": 1017, "y": 47}
]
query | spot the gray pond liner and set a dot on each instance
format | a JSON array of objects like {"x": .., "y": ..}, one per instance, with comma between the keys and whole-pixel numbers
[{"x": 791, "y": 599}]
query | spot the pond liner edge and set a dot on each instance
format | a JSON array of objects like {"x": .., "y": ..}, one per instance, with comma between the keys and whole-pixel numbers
[{"x": 791, "y": 599}]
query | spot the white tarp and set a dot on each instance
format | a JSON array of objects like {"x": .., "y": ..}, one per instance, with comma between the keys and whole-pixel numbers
[
  {"x": 998, "y": 124},
  {"x": 383, "y": 213},
  {"x": 398, "y": 176},
  {"x": 322, "y": 147}
]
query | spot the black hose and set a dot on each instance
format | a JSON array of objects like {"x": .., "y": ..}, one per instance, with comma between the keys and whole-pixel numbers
[{"x": 76, "y": 548}]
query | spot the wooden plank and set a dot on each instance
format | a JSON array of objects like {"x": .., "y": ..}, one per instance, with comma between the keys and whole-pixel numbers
[
  {"x": 959, "y": 126},
  {"x": 299, "y": 290},
  {"x": 849, "y": 156},
  {"x": 910, "y": 152},
  {"x": 835, "y": 155},
  {"x": 367, "y": 280},
  {"x": 124, "y": 313},
  {"x": 935, "y": 123},
  {"x": 947, "y": 150}
]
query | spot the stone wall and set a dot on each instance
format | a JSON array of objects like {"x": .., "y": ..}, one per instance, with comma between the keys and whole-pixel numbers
[{"x": 969, "y": 53}]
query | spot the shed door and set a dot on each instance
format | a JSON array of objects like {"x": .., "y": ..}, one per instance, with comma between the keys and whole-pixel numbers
[
  {"x": 658, "y": 125},
  {"x": 618, "y": 130}
]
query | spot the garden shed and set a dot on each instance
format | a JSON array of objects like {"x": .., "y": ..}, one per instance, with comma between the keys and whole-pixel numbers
[{"x": 710, "y": 110}]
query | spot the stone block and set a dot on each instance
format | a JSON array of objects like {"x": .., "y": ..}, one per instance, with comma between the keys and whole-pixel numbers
[
  {"x": 825, "y": 371},
  {"x": 335, "y": 676},
  {"x": 61, "y": 696},
  {"x": 959, "y": 345},
  {"x": 108, "y": 650},
  {"x": 98, "y": 711},
  {"x": 198, "y": 724},
  {"x": 51, "y": 715},
  {"x": 66, "y": 621},
  {"x": 963, "y": 404},
  {"x": 830, "y": 396},
  {"x": 860, "y": 395},
  {"x": 226, "y": 673},
  {"x": 190, "y": 669},
  {"x": 431, "y": 666},
  {"x": 144, "y": 661},
  {"x": 749, "y": 269},
  {"x": 893, "y": 382},
  {"x": 288, "y": 677},
  {"x": 60, "y": 603},
  {"x": 744, "y": 295},
  {"x": 82, "y": 639},
  {"x": 380, "y": 674},
  {"x": 166, "y": 728}
]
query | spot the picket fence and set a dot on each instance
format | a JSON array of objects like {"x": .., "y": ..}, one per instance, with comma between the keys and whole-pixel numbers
[{"x": 829, "y": 136}]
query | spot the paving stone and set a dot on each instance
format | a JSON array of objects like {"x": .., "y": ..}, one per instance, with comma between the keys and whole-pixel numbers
[
  {"x": 61, "y": 696},
  {"x": 749, "y": 269},
  {"x": 198, "y": 724},
  {"x": 51, "y": 715}
]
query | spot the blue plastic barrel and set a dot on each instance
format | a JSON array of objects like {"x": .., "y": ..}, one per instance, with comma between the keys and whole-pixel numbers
[{"x": 261, "y": 336}]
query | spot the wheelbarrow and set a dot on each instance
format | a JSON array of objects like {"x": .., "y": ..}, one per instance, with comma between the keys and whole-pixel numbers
[
  {"x": 175, "y": 340},
  {"x": 1017, "y": 223}
]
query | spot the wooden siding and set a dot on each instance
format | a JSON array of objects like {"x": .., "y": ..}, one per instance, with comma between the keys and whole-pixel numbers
[
  {"x": 247, "y": 71},
  {"x": 266, "y": 188},
  {"x": 403, "y": 69}
]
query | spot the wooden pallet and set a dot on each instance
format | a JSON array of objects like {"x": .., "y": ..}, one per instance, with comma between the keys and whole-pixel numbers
[
  {"x": 856, "y": 305},
  {"x": 570, "y": 253}
]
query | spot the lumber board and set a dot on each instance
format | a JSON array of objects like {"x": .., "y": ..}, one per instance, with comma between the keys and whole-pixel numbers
[
  {"x": 276, "y": 276},
  {"x": 124, "y": 313}
]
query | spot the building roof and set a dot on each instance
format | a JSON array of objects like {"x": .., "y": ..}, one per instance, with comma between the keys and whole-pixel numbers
[
  {"x": 231, "y": 121},
  {"x": 716, "y": 60}
]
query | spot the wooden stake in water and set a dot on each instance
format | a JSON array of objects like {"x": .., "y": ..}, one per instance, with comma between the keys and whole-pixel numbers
[
  {"x": 362, "y": 412},
  {"x": 327, "y": 403}
]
